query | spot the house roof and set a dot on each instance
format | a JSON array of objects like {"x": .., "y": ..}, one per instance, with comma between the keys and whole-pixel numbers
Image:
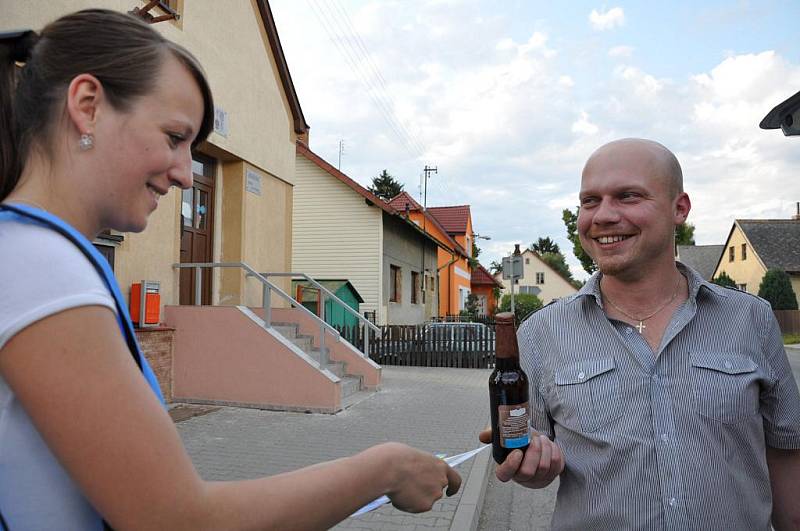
[
  {"x": 701, "y": 258},
  {"x": 453, "y": 218},
  {"x": 481, "y": 277},
  {"x": 539, "y": 258},
  {"x": 775, "y": 241},
  {"x": 299, "y": 121},
  {"x": 332, "y": 285},
  {"x": 372, "y": 199},
  {"x": 402, "y": 199}
]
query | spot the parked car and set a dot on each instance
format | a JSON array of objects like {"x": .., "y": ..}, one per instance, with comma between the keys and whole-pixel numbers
[{"x": 457, "y": 336}]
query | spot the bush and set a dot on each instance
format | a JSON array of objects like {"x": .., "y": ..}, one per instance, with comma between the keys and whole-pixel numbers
[
  {"x": 776, "y": 288},
  {"x": 724, "y": 280},
  {"x": 524, "y": 304}
]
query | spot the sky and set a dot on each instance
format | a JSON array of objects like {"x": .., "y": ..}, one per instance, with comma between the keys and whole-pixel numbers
[{"x": 508, "y": 99}]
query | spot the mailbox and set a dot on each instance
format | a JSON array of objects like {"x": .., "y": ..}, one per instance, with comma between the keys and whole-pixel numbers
[{"x": 145, "y": 300}]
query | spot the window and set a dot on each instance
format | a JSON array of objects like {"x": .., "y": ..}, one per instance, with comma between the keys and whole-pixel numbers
[
  {"x": 527, "y": 261},
  {"x": 742, "y": 287},
  {"x": 414, "y": 287},
  {"x": 744, "y": 251},
  {"x": 540, "y": 278},
  {"x": 394, "y": 283},
  {"x": 731, "y": 253}
]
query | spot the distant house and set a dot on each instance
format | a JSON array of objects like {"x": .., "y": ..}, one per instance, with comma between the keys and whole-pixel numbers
[
  {"x": 452, "y": 226},
  {"x": 701, "y": 258},
  {"x": 757, "y": 245},
  {"x": 341, "y": 230},
  {"x": 538, "y": 279},
  {"x": 482, "y": 284}
]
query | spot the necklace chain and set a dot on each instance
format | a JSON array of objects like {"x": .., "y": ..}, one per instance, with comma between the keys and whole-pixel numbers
[{"x": 641, "y": 324}]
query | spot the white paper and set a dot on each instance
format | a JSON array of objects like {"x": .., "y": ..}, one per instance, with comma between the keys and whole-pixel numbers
[{"x": 453, "y": 461}]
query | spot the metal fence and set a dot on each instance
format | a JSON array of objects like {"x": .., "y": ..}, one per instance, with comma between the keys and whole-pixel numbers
[{"x": 463, "y": 345}]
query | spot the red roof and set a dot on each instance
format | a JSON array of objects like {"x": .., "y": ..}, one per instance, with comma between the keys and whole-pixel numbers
[
  {"x": 453, "y": 218},
  {"x": 481, "y": 277},
  {"x": 402, "y": 199}
]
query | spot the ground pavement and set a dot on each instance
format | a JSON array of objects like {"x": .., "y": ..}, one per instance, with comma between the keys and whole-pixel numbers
[{"x": 435, "y": 409}]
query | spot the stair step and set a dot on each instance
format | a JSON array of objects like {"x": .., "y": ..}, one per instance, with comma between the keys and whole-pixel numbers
[
  {"x": 287, "y": 331},
  {"x": 350, "y": 385}
]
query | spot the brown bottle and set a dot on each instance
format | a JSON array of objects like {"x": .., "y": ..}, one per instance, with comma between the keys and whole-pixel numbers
[{"x": 508, "y": 393}]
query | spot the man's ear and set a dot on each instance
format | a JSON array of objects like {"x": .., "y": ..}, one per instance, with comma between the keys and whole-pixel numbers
[
  {"x": 682, "y": 207},
  {"x": 84, "y": 95}
]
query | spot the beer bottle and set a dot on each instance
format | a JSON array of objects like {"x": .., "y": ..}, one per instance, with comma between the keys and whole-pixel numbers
[{"x": 508, "y": 393}]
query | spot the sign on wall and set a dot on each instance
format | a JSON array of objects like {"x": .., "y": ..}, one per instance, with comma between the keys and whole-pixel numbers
[{"x": 253, "y": 182}]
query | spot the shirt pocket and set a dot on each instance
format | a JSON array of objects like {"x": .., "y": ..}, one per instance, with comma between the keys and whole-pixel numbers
[
  {"x": 725, "y": 386},
  {"x": 587, "y": 394}
]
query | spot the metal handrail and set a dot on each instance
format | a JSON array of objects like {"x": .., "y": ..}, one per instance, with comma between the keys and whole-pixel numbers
[
  {"x": 268, "y": 287},
  {"x": 329, "y": 293}
]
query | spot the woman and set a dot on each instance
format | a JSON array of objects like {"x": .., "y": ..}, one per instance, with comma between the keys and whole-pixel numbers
[{"x": 101, "y": 125}]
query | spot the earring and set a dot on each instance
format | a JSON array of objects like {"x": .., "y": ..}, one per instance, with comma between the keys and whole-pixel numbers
[{"x": 86, "y": 142}]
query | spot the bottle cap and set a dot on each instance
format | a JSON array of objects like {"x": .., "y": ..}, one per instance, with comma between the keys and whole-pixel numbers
[{"x": 505, "y": 336}]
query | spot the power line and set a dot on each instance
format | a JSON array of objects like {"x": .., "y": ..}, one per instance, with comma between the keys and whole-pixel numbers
[{"x": 356, "y": 55}]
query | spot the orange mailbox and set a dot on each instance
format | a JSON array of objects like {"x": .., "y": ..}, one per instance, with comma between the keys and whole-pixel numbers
[{"x": 145, "y": 301}]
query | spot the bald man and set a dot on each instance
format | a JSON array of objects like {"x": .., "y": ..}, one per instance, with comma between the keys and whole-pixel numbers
[{"x": 665, "y": 402}]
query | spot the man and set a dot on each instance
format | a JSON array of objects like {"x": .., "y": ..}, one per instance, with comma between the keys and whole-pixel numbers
[{"x": 667, "y": 402}]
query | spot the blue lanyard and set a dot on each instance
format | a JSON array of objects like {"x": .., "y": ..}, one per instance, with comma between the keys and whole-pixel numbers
[{"x": 45, "y": 219}]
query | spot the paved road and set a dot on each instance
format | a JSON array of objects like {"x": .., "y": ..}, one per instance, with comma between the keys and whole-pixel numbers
[
  {"x": 509, "y": 507},
  {"x": 438, "y": 410}
]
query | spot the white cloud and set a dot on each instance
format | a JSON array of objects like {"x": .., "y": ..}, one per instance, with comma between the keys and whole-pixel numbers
[
  {"x": 620, "y": 51},
  {"x": 566, "y": 81},
  {"x": 583, "y": 126},
  {"x": 606, "y": 20}
]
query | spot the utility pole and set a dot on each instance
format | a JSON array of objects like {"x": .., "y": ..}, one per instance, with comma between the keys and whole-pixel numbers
[
  {"x": 341, "y": 150},
  {"x": 427, "y": 171}
]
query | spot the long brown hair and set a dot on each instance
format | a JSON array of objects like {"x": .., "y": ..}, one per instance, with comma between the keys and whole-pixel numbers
[{"x": 120, "y": 50}]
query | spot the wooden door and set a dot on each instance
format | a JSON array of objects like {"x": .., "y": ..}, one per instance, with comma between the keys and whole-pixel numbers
[{"x": 197, "y": 227}]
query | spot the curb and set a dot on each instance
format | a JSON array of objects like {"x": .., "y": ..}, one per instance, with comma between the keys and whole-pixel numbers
[{"x": 468, "y": 511}]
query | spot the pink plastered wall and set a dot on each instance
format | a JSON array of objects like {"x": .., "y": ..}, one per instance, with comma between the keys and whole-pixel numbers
[{"x": 222, "y": 356}]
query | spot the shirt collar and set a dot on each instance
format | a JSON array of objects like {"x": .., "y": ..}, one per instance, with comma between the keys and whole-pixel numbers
[{"x": 693, "y": 278}]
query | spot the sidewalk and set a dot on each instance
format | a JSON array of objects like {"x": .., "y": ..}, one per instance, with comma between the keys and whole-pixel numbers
[{"x": 434, "y": 409}]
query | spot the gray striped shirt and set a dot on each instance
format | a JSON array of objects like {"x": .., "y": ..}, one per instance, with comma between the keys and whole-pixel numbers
[{"x": 670, "y": 440}]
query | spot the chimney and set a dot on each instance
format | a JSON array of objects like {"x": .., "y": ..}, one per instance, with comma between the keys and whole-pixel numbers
[{"x": 796, "y": 217}]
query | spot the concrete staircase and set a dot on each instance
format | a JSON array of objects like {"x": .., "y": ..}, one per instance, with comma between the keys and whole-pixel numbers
[{"x": 352, "y": 388}]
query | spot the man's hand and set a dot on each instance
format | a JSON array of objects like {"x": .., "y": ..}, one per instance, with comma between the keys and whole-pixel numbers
[{"x": 541, "y": 463}]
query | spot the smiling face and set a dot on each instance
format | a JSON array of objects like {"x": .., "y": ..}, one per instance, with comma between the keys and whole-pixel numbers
[
  {"x": 630, "y": 202},
  {"x": 147, "y": 149}
]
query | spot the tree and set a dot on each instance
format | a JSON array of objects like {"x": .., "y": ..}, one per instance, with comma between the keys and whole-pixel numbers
[
  {"x": 684, "y": 234},
  {"x": 473, "y": 260},
  {"x": 544, "y": 246},
  {"x": 385, "y": 186},
  {"x": 776, "y": 288},
  {"x": 524, "y": 304},
  {"x": 496, "y": 267},
  {"x": 470, "y": 310},
  {"x": 724, "y": 280},
  {"x": 571, "y": 222}
]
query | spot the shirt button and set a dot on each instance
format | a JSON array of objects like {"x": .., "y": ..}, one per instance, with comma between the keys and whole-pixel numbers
[
  {"x": 672, "y": 502},
  {"x": 581, "y": 375},
  {"x": 664, "y": 437},
  {"x": 728, "y": 364},
  {"x": 629, "y": 330},
  {"x": 654, "y": 377}
]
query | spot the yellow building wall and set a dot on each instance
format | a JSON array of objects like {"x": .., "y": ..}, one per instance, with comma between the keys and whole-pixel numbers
[
  {"x": 231, "y": 44},
  {"x": 749, "y": 271}
]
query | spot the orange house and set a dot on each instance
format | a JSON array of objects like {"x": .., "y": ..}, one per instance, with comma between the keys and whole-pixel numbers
[
  {"x": 452, "y": 226},
  {"x": 483, "y": 284}
]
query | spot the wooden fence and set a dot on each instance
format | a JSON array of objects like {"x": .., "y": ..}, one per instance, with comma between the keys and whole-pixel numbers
[
  {"x": 789, "y": 320},
  {"x": 432, "y": 345}
]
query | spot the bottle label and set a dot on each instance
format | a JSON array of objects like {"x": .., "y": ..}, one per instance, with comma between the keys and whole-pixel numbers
[{"x": 514, "y": 425}]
